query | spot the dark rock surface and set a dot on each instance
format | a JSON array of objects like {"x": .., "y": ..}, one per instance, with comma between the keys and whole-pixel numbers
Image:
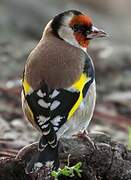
[{"x": 101, "y": 159}]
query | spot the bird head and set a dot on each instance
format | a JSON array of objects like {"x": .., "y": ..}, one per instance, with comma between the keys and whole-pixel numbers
[{"x": 75, "y": 28}]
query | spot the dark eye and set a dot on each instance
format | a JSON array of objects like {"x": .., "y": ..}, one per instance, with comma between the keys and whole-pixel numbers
[
  {"x": 76, "y": 27},
  {"x": 85, "y": 30},
  {"x": 88, "y": 31}
]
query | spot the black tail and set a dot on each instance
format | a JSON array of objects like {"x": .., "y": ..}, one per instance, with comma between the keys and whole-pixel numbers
[{"x": 47, "y": 155}]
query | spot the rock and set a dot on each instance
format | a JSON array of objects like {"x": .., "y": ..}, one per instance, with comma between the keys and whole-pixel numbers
[
  {"x": 4, "y": 127},
  {"x": 112, "y": 64},
  {"x": 13, "y": 56},
  {"x": 18, "y": 124},
  {"x": 12, "y": 135}
]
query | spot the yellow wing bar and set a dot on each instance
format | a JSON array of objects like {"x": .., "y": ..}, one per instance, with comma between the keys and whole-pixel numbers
[
  {"x": 26, "y": 86},
  {"x": 79, "y": 85}
]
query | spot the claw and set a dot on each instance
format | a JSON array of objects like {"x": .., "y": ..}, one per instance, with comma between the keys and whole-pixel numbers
[
  {"x": 81, "y": 134},
  {"x": 84, "y": 135}
]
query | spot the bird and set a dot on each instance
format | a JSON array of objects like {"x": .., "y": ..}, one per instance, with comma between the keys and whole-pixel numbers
[{"x": 58, "y": 84}]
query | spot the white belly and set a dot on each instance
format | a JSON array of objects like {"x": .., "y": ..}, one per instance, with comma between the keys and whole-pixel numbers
[{"x": 81, "y": 118}]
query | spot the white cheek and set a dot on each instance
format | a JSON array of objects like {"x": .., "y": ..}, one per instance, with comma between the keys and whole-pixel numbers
[{"x": 67, "y": 34}]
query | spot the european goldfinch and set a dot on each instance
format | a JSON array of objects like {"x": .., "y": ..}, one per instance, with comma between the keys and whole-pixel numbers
[{"x": 59, "y": 92}]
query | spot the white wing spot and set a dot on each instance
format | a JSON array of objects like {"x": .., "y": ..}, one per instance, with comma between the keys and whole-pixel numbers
[
  {"x": 55, "y": 128},
  {"x": 43, "y": 104},
  {"x": 44, "y": 126},
  {"x": 54, "y": 105},
  {"x": 55, "y": 93},
  {"x": 40, "y": 93},
  {"x": 42, "y": 119},
  {"x": 56, "y": 120},
  {"x": 40, "y": 123}
]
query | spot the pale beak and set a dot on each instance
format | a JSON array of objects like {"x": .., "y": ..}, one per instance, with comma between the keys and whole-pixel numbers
[{"x": 96, "y": 33}]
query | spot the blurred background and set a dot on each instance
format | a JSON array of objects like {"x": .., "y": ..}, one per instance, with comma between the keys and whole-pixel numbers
[{"x": 21, "y": 26}]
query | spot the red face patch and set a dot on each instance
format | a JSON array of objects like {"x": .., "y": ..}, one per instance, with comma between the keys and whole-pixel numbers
[
  {"x": 81, "y": 40},
  {"x": 81, "y": 19}
]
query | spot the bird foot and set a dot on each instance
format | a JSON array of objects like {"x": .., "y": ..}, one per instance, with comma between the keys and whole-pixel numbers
[
  {"x": 81, "y": 134},
  {"x": 84, "y": 136}
]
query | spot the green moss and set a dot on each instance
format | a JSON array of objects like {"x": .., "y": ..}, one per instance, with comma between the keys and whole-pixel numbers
[{"x": 68, "y": 171}]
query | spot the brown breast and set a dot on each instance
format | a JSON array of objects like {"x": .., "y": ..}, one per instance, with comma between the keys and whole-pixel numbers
[{"x": 55, "y": 62}]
